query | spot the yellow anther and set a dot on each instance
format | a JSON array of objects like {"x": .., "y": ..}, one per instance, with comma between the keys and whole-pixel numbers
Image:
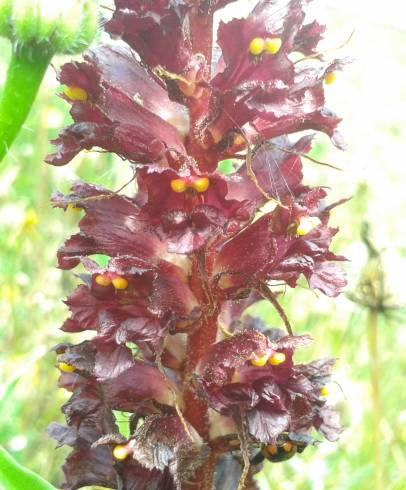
[
  {"x": 225, "y": 281},
  {"x": 103, "y": 280},
  {"x": 201, "y": 184},
  {"x": 306, "y": 225},
  {"x": 324, "y": 391},
  {"x": 66, "y": 368},
  {"x": 239, "y": 140},
  {"x": 120, "y": 283},
  {"x": 178, "y": 185},
  {"x": 259, "y": 361},
  {"x": 330, "y": 78},
  {"x": 72, "y": 207},
  {"x": 277, "y": 358},
  {"x": 76, "y": 93},
  {"x": 120, "y": 452},
  {"x": 273, "y": 44},
  {"x": 287, "y": 447},
  {"x": 257, "y": 45},
  {"x": 271, "y": 450}
]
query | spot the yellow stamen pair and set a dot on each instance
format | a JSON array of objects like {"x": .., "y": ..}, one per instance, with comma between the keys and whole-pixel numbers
[
  {"x": 76, "y": 93},
  {"x": 271, "y": 45},
  {"x": 274, "y": 360},
  {"x": 117, "y": 281},
  {"x": 200, "y": 184}
]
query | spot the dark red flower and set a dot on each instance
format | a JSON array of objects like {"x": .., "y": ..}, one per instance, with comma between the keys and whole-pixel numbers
[
  {"x": 281, "y": 245},
  {"x": 120, "y": 107},
  {"x": 253, "y": 373}
]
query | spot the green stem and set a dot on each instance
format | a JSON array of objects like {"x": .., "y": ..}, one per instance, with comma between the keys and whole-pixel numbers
[
  {"x": 26, "y": 70},
  {"x": 372, "y": 327}
]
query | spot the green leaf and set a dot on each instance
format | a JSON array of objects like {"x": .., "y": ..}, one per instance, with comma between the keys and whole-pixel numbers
[{"x": 13, "y": 476}]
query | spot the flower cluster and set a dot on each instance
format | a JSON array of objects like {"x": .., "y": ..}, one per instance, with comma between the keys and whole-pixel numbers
[{"x": 209, "y": 390}]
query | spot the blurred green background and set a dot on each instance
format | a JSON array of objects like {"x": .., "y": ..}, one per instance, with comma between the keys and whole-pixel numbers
[{"x": 371, "y": 97}]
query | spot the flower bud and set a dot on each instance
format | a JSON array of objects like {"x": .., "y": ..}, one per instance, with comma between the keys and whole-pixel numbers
[{"x": 65, "y": 27}]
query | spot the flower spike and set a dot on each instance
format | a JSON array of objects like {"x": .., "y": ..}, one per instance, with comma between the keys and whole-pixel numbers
[{"x": 172, "y": 267}]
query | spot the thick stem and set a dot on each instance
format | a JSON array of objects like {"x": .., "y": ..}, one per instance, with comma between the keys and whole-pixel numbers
[
  {"x": 196, "y": 409},
  {"x": 26, "y": 70},
  {"x": 372, "y": 327},
  {"x": 198, "y": 343}
]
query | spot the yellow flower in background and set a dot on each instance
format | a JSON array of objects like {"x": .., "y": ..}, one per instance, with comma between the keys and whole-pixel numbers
[{"x": 30, "y": 221}]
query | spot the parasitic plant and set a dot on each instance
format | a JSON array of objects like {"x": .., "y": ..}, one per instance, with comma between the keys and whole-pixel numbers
[{"x": 210, "y": 391}]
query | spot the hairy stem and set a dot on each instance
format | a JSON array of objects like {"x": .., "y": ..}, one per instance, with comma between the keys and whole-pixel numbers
[
  {"x": 26, "y": 70},
  {"x": 372, "y": 331}
]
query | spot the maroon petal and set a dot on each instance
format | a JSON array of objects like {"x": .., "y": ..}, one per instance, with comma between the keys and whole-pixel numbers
[
  {"x": 111, "y": 359},
  {"x": 328, "y": 423},
  {"x": 308, "y": 38},
  {"x": 162, "y": 441},
  {"x": 327, "y": 277},
  {"x": 85, "y": 465},
  {"x": 157, "y": 31},
  {"x": 278, "y": 172},
  {"x": 132, "y": 386},
  {"x": 245, "y": 259},
  {"x": 265, "y": 424},
  {"x": 111, "y": 226}
]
